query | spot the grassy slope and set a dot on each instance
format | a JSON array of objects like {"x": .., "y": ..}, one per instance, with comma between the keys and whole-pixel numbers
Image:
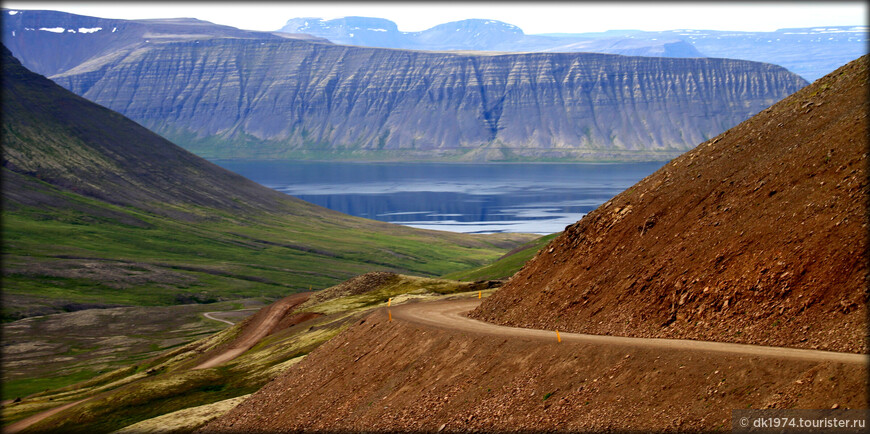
[
  {"x": 50, "y": 254},
  {"x": 165, "y": 383},
  {"x": 98, "y": 210},
  {"x": 505, "y": 266}
]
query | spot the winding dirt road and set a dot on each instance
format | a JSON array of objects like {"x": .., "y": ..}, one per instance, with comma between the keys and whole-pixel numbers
[
  {"x": 258, "y": 329},
  {"x": 451, "y": 315},
  {"x": 208, "y": 315}
]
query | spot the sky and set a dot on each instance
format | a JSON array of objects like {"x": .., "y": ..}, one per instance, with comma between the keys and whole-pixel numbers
[{"x": 532, "y": 17}]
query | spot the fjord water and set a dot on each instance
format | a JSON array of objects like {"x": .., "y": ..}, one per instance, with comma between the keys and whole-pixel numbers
[{"x": 473, "y": 198}]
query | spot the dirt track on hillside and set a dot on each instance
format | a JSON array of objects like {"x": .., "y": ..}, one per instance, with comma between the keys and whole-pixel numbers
[
  {"x": 26, "y": 422},
  {"x": 452, "y": 315},
  {"x": 209, "y": 316},
  {"x": 433, "y": 369},
  {"x": 261, "y": 324}
]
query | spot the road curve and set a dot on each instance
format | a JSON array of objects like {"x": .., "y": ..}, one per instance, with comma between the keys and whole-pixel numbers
[
  {"x": 451, "y": 315},
  {"x": 208, "y": 315}
]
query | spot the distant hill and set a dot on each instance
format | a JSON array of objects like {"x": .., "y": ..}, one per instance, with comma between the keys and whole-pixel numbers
[
  {"x": 810, "y": 52},
  {"x": 758, "y": 236},
  {"x": 277, "y": 98},
  {"x": 476, "y": 34},
  {"x": 365, "y": 31},
  {"x": 99, "y": 211}
]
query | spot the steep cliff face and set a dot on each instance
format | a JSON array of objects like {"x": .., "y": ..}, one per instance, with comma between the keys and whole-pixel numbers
[
  {"x": 757, "y": 236},
  {"x": 243, "y": 98}
]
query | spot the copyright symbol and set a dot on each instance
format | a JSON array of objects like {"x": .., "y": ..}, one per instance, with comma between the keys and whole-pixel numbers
[{"x": 744, "y": 422}]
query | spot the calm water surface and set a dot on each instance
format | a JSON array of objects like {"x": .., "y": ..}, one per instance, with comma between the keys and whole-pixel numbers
[{"x": 479, "y": 198}]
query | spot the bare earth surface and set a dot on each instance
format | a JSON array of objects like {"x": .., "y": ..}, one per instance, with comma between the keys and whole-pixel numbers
[
  {"x": 210, "y": 315},
  {"x": 431, "y": 368}
]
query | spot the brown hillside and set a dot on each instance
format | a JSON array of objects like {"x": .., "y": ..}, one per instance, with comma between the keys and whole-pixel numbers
[
  {"x": 756, "y": 236},
  {"x": 401, "y": 376}
]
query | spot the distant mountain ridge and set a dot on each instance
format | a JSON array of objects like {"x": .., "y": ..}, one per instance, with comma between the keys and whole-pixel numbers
[
  {"x": 810, "y": 52},
  {"x": 302, "y": 100},
  {"x": 257, "y": 95}
]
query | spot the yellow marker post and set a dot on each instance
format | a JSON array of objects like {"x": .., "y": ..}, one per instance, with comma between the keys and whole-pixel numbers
[
  {"x": 558, "y": 336},
  {"x": 479, "y": 294},
  {"x": 391, "y": 315},
  {"x": 389, "y": 300}
]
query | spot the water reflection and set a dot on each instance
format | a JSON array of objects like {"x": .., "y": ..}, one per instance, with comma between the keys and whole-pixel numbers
[{"x": 478, "y": 198}]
